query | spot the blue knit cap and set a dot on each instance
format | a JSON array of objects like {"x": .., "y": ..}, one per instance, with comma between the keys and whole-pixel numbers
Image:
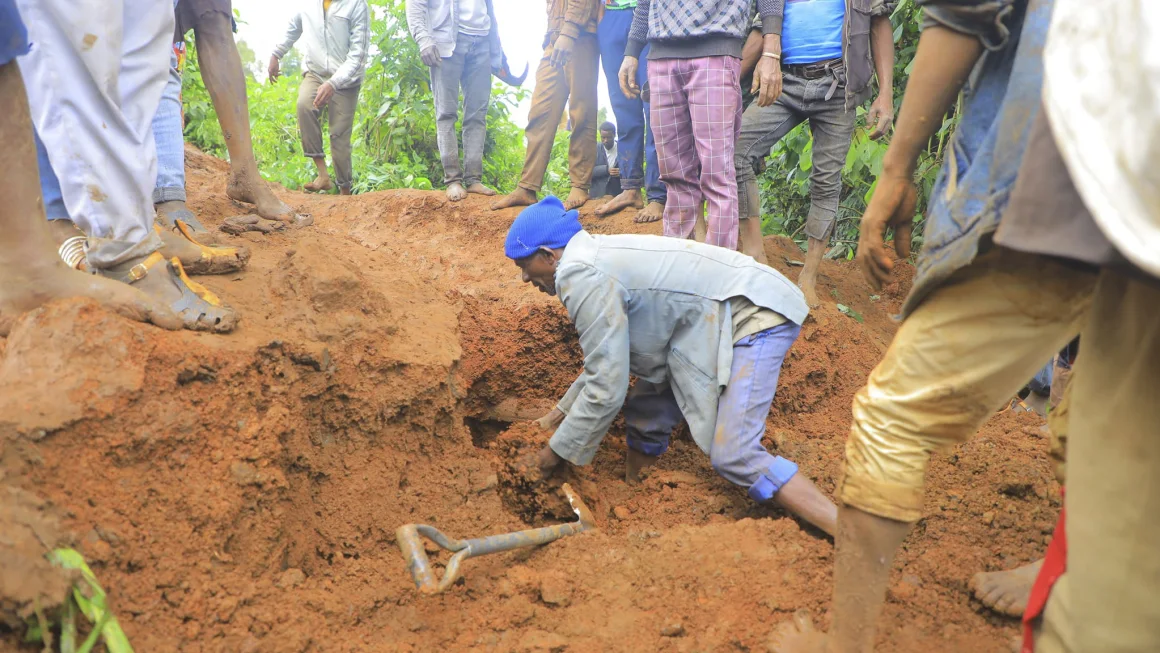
[{"x": 543, "y": 224}]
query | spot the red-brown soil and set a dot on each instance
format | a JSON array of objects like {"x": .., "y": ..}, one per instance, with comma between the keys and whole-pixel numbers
[{"x": 241, "y": 492}]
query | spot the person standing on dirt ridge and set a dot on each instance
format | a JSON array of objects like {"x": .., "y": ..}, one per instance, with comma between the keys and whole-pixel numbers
[
  {"x": 817, "y": 66},
  {"x": 459, "y": 41},
  {"x": 221, "y": 69},
  {"x": 567, "y": 75},
  {"x": 638, "y": 167},
  {"x": 694, "y": 72},
  {"x": 1051, "y": 226},
  {"x": 100, "y": 149},
  {"x": 31, "y": 273},
  {"x": 606, "y": 178},
  {"x": 336, "y": 34},
  {"x": 705, "y": 331}
]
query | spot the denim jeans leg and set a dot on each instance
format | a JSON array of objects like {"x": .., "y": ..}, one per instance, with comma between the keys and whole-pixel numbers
[
  {"x": 170, "y": 186},
  {"x": 654, "y": 189},
  {"x": 445, "y": 86},
  {"x": 612, "y": 34},
  {"x": 476, "y": 81},
  {"x": 49, "y": 185},
  {"x": 833, "y": 128},
  {"x": 650, "y": 415},
  {"x": 761, "y": 129}
]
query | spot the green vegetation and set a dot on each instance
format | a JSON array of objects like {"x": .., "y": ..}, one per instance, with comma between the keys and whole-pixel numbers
[
  {"x": 87, "y": 598},
  {"x": 395, "y": 143}
]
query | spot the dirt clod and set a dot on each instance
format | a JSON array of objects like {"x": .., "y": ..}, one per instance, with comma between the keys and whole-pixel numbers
[
  {"x": 291, "y": 578},
  {"x": 673, "y": 630}
]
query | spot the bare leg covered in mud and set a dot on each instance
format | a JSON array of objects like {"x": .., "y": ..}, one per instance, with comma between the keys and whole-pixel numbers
[
  {"x": 221, "y": 69},
  {"x": 1007, "y": 591},
  {"x": 31, "y": 272},
  {"x": 629, "y": 199},
  {"x": 808, "y": 278},
  {"x": 577, "y": 197}
]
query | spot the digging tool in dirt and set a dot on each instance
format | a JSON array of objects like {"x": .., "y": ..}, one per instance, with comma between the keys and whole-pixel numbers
[{"x": 412, "y": 546}]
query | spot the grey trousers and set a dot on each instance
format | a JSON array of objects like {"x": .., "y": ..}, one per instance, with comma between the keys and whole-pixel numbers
[
  {"x": 832, "y": 126},
  {"x": 340, "y": 113},
  {"x": 468, "y": 66}
]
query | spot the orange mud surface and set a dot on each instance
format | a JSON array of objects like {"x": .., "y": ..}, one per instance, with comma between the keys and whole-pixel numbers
[{"x": 241, "y": 492}]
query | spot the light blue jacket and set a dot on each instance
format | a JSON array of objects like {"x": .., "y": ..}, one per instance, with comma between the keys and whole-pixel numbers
[{"x": 656, "y": 308}]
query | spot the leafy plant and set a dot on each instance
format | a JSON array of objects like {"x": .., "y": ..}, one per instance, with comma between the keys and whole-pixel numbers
[{"x": 89, "y": 599}]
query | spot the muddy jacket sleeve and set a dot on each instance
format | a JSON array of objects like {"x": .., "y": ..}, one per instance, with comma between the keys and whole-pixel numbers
[
  {"x": 597, "y": 305},
  {"x": 293, "y": 31},
  {"x": 417, "y": 23},
  {"x": 985, "y": 19},
  {"x": 577, "y": 16},
  {"x": 348, "y": 73}
]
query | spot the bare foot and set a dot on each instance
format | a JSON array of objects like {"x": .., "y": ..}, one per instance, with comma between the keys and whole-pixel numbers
[
  {"x": 168, "y": 213},
  {"x": 197, "y": 258},
  {"x": 45, "y": 278},
  {"x": 519, "y": 197},
  {"x": 1006, "y": 592},
  {"x": 321, "y": 184},
  {"x": 456, "y": 191},
  {"x": 636, "y": 465},
  {"x": 809, "y": 286},
  {"x": 260, "y": 195},
  {"x": 164, "y": 284},
  {"x": 576, "y": 199},
  {"x": 629, "y": 199},
  {"x": 651, "y": 213},
  {"x": 479, "y": 189},
  {"x": 798, "y": 636}
]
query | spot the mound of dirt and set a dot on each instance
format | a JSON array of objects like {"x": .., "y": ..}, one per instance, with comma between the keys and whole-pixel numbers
[{"x": 241, "y": 493}]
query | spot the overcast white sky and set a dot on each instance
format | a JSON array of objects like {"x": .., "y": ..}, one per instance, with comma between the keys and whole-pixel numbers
[{"x": 262, "y": 23}]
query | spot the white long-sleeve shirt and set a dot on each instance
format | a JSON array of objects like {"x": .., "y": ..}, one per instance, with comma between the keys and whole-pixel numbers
[{"x": 336, "y": 42}]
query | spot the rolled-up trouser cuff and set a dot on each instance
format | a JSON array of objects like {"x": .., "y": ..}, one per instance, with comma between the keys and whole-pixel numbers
[
  {"x": 820, "y": 222},
  {"x": 646, "y": 447},
  {"x": 889, "y": 500},
  {"x": 106, "y": 253},
  {"x": 770, "y": 483},
  {"x": 172, "y": 194}
]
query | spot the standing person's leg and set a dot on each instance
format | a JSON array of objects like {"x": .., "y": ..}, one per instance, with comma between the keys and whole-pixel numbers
[
  {"x": 476, "y": 98},
  {"x": 833, "y": 128},
  {"x": 102, "y": 147},
  {"x": 680, "y": 170},
  {"x": 169, "y": 191},
  {"x": 445, "y": 81},
  {"x": 548, "y": 100},
  {"x": 31, "y": 273},
  {"x": 761, "y": 128},
  {"x": 221, "y": 71},
  {"x": 715, "y": 105},
  {"x": 1113, "y": 476},
  {"x": 583, "y": 77},
  {"x": 612, "y": 35},
  {"x": 737, "y": 453},
  {"x": 655, "y": 192},
  {"x": 310, "y": 131},
  {"x": 650, "y": 415},
  {"x": 340, "y": 112}
]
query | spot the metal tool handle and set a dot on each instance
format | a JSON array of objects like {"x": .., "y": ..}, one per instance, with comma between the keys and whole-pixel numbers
[{"x": 408, "y": 538}]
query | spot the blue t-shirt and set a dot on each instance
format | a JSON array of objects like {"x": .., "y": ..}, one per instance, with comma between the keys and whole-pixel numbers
[{"x": 812, "y": 30}]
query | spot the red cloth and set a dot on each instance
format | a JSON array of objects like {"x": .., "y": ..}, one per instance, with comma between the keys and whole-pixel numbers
[{"x": 1054, "y": 564}]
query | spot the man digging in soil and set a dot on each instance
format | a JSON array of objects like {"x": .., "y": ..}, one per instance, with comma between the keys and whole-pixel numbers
[{"x": 705, "y": 331}]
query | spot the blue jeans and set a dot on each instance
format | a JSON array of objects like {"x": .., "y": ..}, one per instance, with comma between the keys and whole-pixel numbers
[
  {"x": 632, "y": 115},
  {"x": 651, "y": 413},
  {"x": 50, "y": 191},
  {"x": 170, "y": 141}
]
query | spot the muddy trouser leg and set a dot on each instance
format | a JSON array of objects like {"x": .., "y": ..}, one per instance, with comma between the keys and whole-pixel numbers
[
  {"x": 341, "y": 110},
  {"x": 583, "y": 78},
  {"x": 167, "y": 134},
  {"x": 761, "y": 129},
  {"x": 445, "y": 80},
  {"x": 309, "y": 118},
  {"x": 833, "y": 128},
  {"x": 1107, "y": 600},
  {"x": 737, "y": 453},
  {"x": 101, "y": 146},
  {"x": 970, "y": 345},
  {"x": 548, "y": 100},
  {"x": 476, "y": 97},
  {"x": 650, "y": 415}
]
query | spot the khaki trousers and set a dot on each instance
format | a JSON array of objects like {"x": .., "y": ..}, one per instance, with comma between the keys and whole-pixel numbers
[
  {"x": 340, "y": 113},
  {"x": 574, "y": 86}
]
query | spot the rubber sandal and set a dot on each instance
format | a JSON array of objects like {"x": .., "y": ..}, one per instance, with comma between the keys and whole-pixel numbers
[
  {"x": 240, "y": 224},
  {"x": 217, "y": 259},
  {"x": 199, "y": 308}
]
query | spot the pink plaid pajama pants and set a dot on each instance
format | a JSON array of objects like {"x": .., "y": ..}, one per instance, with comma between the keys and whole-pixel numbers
[{"x": 696, "y": 119}]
